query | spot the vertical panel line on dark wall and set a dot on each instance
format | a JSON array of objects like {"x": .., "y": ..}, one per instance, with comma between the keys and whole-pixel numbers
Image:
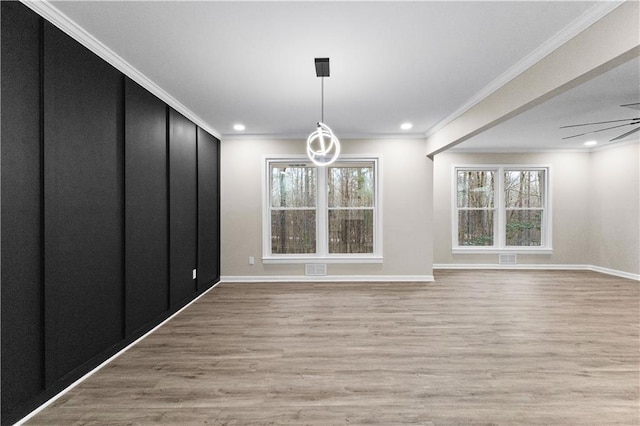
[
  {"x": 121, "y": 161},
  {"x": 42, "y": 183},
  {"x": 195, "y": 282},
  {"x": 218, "y": 265},
  {"x": 168, "y": 118}
]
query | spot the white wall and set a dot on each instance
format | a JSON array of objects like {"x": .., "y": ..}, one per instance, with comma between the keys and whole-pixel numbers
[
  {"x": 407, "y": 209},
  {"x": 595, "y": 199},
  {"x": 595, "y": 203},
  {"x": 614, "y": 209}
]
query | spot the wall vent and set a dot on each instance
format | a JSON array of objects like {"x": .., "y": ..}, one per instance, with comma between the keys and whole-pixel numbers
[
  {"x": 315, "y": 269},
  {"x": 507, "y": 259}
]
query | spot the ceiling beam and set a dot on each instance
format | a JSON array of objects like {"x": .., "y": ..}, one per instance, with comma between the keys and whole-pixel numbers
[{"x": 609, "y": 42}]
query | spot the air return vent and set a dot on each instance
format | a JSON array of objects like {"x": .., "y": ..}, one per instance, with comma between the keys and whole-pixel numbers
[
  {"x": 315, "y": 269},
  {"x": 507, "y": 259}
]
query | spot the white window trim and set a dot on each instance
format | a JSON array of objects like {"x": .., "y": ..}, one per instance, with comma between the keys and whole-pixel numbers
[
  {"x": 322, "y": 256},
  {"x": 500, "y": 247}
]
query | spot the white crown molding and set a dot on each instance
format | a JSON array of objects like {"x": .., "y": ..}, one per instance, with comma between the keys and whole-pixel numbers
[
  {"x": 324, "y": 278},
  {"x": 496, "y": 150},
  {"x": 609, "y": 145},
  {"x": 506, "y": 150},
  {"x": 303, "y": 137},
  {"x": 49, "y": 12},
  {"x": 534, "y": 266},
  {"x": 585, "y": 20}
]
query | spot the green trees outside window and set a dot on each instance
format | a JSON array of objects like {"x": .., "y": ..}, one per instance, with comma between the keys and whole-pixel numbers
[
  {"x": 501, "y": 207},
  {"x": 322, "y": 210}
]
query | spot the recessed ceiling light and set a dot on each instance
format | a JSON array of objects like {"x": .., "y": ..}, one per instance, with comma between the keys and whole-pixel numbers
[
  {"x": 590, "y": 143},
  {"x": 238, "y": 127},
  {"x": 406, "y": 126}
]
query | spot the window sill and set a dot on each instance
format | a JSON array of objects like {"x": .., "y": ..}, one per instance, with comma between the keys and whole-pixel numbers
[
  {"x": 315, "y": 259},
  {"x": 510, "y": 250}
]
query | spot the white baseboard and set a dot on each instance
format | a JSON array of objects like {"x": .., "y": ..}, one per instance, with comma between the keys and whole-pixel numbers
[
  {"x": 524, "y": 266},
  {"x": 548, "y": 267},
  {"x": 325, "y": 278},
  {"x": 107, "y": 361},
  {"x": 615, "y": 272}
]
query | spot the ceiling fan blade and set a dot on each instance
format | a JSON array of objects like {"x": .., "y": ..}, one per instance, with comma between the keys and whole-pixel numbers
[
  {"x": 601, "y": 130},
  {"x": 624, "y": 135},
  {"x": 600, "y": 122},
  {"x": 635, "y": 105}
]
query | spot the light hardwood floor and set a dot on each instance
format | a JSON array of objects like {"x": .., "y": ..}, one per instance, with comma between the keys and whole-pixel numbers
[{"x": 474, "y": 347}]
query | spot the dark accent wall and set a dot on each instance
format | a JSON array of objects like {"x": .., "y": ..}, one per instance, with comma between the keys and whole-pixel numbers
[
  {"x": 208, "y": 209},
  {"x": 183, "y": 196},
  {"x": 22, "y": 327},
  {"x": 146, "y": 206},
  {"x": 106, "y": 209},
  {"x": 82, "y": 204}
]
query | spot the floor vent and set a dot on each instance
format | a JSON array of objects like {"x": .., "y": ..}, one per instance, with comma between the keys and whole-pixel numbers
[
  {"x": 315, "y": 269},
  {"x": 507, "y": 259}
]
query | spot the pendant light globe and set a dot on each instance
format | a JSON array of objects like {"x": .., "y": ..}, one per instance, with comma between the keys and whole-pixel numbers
[{"x": 323, "y": 147}]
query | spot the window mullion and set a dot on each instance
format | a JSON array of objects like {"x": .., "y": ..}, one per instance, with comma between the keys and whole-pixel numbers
[
  {"x": 544, "y": 237},
  {"x": 501, "y": 214}
]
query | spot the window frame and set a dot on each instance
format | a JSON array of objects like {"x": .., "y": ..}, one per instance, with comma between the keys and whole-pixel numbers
[
  {"x": 499, "y": 228},
  {"x": 322, "y": 254}
]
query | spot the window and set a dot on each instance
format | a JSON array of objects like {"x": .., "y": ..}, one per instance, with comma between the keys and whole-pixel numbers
[
  {"x": 524, "y": 207},
  {"x": 293, "y": 208},
  {"x": 350, "y": 192},
  {"x": 476, "y": 209},
  {"x": 329, "y": 214},
  {"x": 501, "y": 208}
]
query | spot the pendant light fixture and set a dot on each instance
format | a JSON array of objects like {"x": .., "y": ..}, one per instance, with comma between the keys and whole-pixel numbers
[{"x": 323, "y": 147}]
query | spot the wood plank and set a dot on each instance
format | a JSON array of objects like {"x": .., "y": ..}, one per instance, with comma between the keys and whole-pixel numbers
[{"x": 490, "y": 347}]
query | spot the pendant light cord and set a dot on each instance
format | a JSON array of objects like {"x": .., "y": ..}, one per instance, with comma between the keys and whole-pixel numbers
[{"x": 322, "y": 100}]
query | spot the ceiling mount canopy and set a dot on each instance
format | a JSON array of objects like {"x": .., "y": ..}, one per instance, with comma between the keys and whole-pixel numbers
[
  {"x": 323, "y": 147},
  {"x": 322, "y": 67}
]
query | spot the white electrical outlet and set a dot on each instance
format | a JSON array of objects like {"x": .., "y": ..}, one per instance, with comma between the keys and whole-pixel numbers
[
  {"x": 194, "y": 274},
  {"x": 252, "y": 261}
]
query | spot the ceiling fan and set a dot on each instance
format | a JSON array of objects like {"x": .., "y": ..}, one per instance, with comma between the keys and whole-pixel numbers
[{"x": 621, "y": 123}]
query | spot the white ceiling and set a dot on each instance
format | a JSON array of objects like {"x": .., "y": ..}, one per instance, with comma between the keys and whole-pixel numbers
[{"x": 391, "y": 62}]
